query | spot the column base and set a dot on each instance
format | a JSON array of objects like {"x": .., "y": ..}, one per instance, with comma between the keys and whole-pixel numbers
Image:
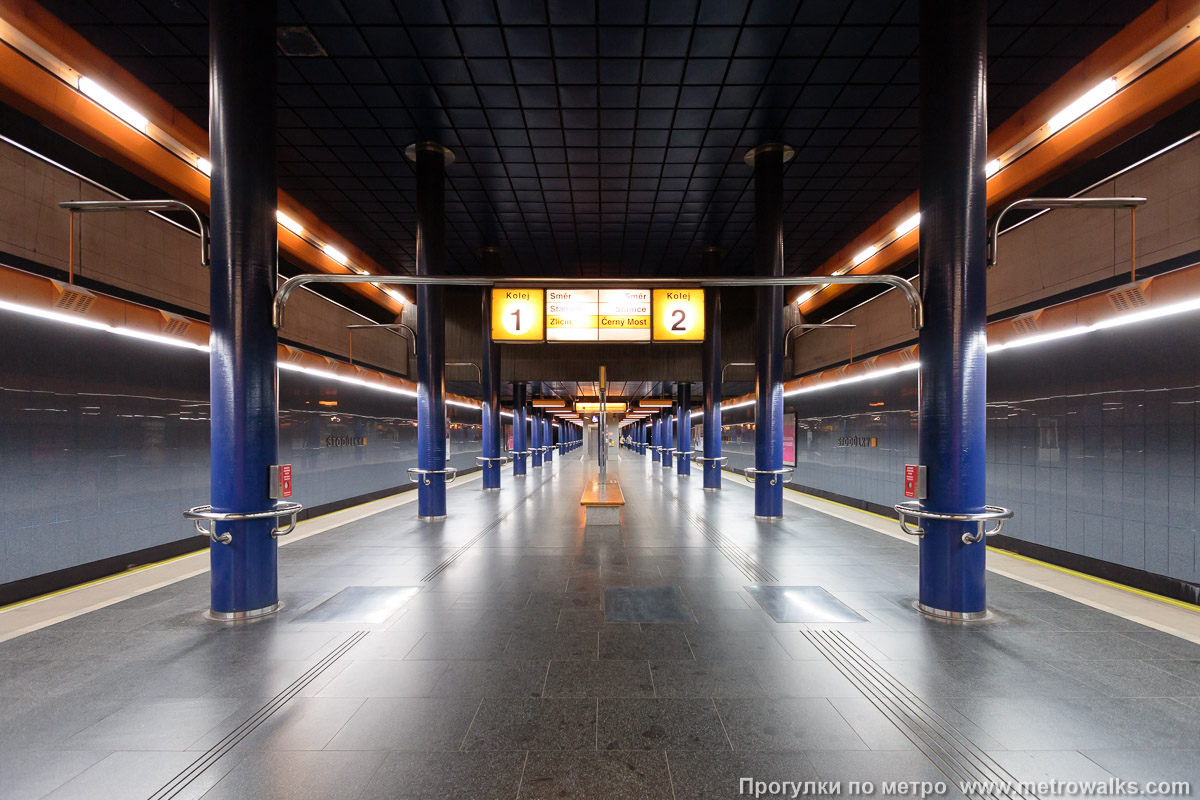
[
  {"x": 435, "y": 518},
  {"x": 951, "y": 616},
  {"x": 243, "y": 616},
  {"x": 768, "y": 519},
  {"x": 711, "y": 489},
  {"x": 490, "y": 489}
]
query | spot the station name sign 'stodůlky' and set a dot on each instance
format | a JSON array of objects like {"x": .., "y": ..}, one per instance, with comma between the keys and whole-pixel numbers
[{"x": 597, "y": 315}]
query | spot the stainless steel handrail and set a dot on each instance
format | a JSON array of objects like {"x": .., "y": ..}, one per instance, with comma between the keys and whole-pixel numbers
[
  {"x": 490, "y": 459},
  {"x": 423, "y": 474},
  {"x": 392, "y": 326},
  {"x": 145, "y": 205},
  {"x": 894, "y": 281},
  {"x": 993, "y": 241},
  {"x": 736, "y": 364},
  {"x": 751, "y": 474},
  {"x": 201, "y": 513},
  {"x": 711, "y": 458},
  {"x": 980, "y": 518}
]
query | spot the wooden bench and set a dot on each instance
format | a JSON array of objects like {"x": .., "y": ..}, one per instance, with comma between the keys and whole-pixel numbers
[{"x": 602, "y": 501}]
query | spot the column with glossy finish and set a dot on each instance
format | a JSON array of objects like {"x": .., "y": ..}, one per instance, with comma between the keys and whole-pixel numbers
[
  {"x": 520, "y": 445},
  {"x": 535, "y": 437},
  {"x": 548, "y": 438},
  {"x": 243, "y": 375},
  {"x": 668, "y": 418},
  {"x": 712, "y": 374},
  {"x": 490, "y": 369},
  {"x": 953, "y": 282},
  {"x": 683, "y": 423},
  {"x": 768, "y": 163},
  {"x": 431, "y": 160}
]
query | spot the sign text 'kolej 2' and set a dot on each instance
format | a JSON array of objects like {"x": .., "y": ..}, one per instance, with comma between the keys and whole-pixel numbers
[{"x": 597, "y": 315}]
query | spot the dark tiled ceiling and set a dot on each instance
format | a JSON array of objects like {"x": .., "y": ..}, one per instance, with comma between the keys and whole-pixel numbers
[{"x": 599, "y": 138}]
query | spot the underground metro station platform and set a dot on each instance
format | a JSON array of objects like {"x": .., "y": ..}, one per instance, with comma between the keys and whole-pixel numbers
[{"x": 618, "y": 399}]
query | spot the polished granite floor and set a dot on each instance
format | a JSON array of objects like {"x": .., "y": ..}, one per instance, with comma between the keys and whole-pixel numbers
[{"x": 497, "y": 676}]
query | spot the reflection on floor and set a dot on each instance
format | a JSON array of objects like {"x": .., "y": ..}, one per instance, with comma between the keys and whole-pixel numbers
[{"x": 506, "y": 676}]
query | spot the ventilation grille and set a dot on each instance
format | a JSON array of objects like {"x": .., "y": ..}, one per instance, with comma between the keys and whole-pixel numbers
[
  {"x": 73, "y": 299},
  {"x": 294, "y": 356},
  {"x": 174, "y": 325},
  {"x": 1028, "y": 323},
  {"x": 908, "y": 356},
  {"x": 1129, "y": 299}
]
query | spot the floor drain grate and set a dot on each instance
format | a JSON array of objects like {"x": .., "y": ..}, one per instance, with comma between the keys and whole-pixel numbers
[
  {"x": 214, "y": 753},
  {"x": 950, "y": 750}
]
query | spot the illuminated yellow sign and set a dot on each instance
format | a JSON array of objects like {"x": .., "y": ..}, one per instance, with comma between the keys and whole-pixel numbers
[
  {"x": 518, "y": 315},
  {"x": 592, "y": 407},
  {"x": 678, "y": 315}
]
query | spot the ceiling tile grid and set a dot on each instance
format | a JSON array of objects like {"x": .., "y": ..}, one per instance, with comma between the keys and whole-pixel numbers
[{"x": 598, "y": 139}]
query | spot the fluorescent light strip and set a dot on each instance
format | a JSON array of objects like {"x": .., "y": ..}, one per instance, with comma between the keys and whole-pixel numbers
[
  {"x": 289, "y": 223},
  {"x": 1073, "y": 112},
  {"x": 78, "y": 322},
  {"x": 113, "y": 104},
  {"x": 908, "y": 224},
  {"x": 865, "y": 254},
  {"x": 132, "y": 333},
  {"x": 337, "y": 255},
  {"x": 1094, "y": 97}
]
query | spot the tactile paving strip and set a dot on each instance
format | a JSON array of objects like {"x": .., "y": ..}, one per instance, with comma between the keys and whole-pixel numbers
[
  {"x": 950, "y": 750},
  {"x": 181, "y": 781}
]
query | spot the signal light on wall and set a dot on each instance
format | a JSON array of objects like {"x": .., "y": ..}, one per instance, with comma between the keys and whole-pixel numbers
[{"x": 115, "y": 105}]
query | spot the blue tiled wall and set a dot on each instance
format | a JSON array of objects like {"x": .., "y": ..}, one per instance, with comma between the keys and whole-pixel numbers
[
  {"x": 1091, "y": 441},
  {"x": 104, "y": 441}
]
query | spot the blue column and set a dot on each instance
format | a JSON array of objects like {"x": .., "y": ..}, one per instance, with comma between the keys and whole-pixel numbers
[
  {"x": 668, "y": 420},
  {"x": 768, "y": 162},
  {"x": 953, "y": 378},
  {"x": 656, "y": 438},
  {"x": 243, "y": 375},
  {"x": 431, "y": 160},
  {"x": 490, "y": 368},
  {"x": 683, "y": 422},
  {"x": 535, "y": 437},
  {"x": 547, "y": 437},
  {"x": 520, "y": 444},
  {"x": 712, "y": 375}
]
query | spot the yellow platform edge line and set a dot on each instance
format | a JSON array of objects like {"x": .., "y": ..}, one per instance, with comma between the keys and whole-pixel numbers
[
  {"x": 1064, "y": 570},
  {"x": 98, "y": 581},
  {"x": 172, "y": 559}
]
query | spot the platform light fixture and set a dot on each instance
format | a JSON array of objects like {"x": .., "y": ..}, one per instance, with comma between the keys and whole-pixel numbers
[
  {"x": 289, "y": 223},
  {"x": 335, "y": 254},
  {"x": 204, "y": 165},
  {"x": 115, "y": 105},
  {"x": 1094, "y": 97},
  {"x": 991, "y": 168},
  {"x": 865, "y": 254},
  {"x": 908, "y": 224}
]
